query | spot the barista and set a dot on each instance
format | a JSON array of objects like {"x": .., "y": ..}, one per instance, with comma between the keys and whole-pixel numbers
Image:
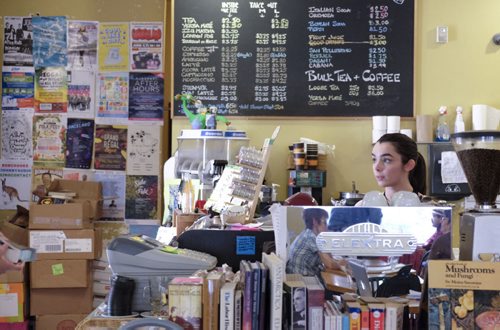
[{"x": 398, "y": 166}]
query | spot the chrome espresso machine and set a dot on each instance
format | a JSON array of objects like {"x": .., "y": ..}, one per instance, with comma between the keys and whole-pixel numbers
[{"x": 479, "y": 155}]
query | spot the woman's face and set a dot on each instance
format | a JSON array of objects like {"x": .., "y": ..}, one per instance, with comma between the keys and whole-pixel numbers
[{"x": 388, "y": 168}]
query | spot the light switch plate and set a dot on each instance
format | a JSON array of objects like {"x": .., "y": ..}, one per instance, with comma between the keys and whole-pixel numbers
[{"x": 442, "y": 34}]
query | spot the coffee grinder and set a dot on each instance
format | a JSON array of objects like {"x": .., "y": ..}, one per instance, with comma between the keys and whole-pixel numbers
[{"x": 479, "y": 155}]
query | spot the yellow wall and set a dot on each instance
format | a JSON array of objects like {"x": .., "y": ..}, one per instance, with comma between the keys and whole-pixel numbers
[{"x": 464, "y": 71}]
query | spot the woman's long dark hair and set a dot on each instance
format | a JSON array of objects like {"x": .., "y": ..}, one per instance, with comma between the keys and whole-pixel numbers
[{"x": 407, "y": 148}]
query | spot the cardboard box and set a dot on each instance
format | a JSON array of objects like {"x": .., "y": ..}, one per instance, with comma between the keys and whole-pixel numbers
[
  {"x": 90, "y": 191},
  {"x": 59, "y": 274},
  {"x": 66, "y": 244},
  {"x": 61, "y": 216},
  {"x": 12, "y": 297},
  {"x": 14, "y": 233},
  {"x": 184, "y": 220},
  {"x": 63, "y": 322},
  {"x": 13, "y": 276},
  {"x": 61, "y": 301}
]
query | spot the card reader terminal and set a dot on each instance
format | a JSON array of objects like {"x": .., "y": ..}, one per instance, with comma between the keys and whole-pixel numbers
[{"x": 140, "y": 254}]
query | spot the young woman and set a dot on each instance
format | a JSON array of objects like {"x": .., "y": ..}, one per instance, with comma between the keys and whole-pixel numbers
[{"x": 398, "y": 166}]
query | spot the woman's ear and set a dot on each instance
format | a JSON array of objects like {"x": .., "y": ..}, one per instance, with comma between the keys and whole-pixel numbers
[{"x": 410, "y": 165}]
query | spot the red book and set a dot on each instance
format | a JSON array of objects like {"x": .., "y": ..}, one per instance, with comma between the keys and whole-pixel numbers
[
  {"x": 365, "y": 318},
  {"x": 377, "y": 316}
]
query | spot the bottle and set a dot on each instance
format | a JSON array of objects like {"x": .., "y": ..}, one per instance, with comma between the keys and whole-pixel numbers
[
  {"x": 459, "y": 121},
  {"x": 187, "y": 195},
  {"x": 443, "y": 130}
]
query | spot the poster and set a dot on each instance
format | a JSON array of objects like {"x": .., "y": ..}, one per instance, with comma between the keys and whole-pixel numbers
[
  {"x": 18, "y": 88},
  {"x": 79, "y": 143},
  {"x": 18, "y": 41},
  {"x": 78, "y": 174},
  {"x": 110, "y": 148},
  {"x": 17, "y": 135},
  {"x": 143, "y": 150},
  {"x": 49, "y": 137},
  {"x": 51, "y": 90},
  {"x": 49, "y": 41},
  {"x": 42, "y": 178},
  {"x": 146, "y": 97},
  {"x": 113, "y": 192},
  {"x": 112, "y": 98},
  {"x": 81, "y": 94},
  {"x": 113, "y": 51},
  {"x": 82, "y": 45},
  {"x": 16, "y": 184},
  {"x": 141, "y": 198},
  {"x": 146, "y": 46}
]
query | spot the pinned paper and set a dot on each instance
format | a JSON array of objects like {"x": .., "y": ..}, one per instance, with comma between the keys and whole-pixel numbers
[{"x": 451, "y": 170}]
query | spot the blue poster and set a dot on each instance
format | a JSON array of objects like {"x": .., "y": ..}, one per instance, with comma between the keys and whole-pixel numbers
[
  {"x": 49, "y": 41},
  {"x": 18, "y": 87},
  {"x": 79, "y": 143},
  {"x": 146, "y": 96}
]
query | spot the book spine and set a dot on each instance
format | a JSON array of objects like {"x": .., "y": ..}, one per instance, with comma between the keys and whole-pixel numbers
[
  {"x": 345, "y": 322},
  {"x": 276, "y": 276},
  {"x": 377, "y": 319},
  {"x": 238, "y": 304},
  {"x": 247, "y": 296},
  {"x": 256, "y": 277},
  {"x": 227, "y": 307},
  {"x": 365, "y": 318},
  {"x": 264, "y": 296},
  {"x": 315, "y": 302}
]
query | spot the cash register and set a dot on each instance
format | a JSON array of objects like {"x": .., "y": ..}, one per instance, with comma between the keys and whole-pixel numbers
[{"x": 140, "y": 257}]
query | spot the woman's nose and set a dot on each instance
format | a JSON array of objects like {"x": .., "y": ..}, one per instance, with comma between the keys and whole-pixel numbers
[{"x": 377, "y": 165}]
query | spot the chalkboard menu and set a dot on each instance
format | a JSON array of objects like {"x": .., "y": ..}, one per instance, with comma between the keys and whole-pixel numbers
[{"x": 344, "y": 58}]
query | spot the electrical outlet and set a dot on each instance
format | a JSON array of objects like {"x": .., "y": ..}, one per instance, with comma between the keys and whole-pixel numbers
[{"x": 442, "y": 34}]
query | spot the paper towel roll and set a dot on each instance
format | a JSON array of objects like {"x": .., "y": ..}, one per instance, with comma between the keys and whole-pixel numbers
[
  {"x": 424, "y": 129},
  {"x": 479, "y": 116},
  {"x": 379, "y": 122},
  {"x": 407, "y": 132},
  {"x": 377, "y": 134},
  {"x": 393, "y": 123}
]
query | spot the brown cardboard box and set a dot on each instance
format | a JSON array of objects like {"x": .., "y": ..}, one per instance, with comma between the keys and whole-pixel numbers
[
  {"x": 13, "y": 276},
  {"x": 61, "y": 301},
  {"x": 66, "y": 244},
  {"x": 60, "y": 216},
  {"x": 90, "y": 191},
  {"x": 59, "y": 274},
  {"x": 184, "y": 220},
  {"x": 14, "y": 233},
  {"x": 63, "y": 322}
]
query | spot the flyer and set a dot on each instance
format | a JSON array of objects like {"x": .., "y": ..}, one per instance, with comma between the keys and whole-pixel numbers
[
  {"x": 82, "y": 45},
  {"x": 49, "y": 41},
  {"x": 143, "y": 150},
  {"x": 146, "y": 97},
  {"x": 79, "y": 143},
  {"x": 81, "y": 94},
  {"x": 51, "y": 90},
  {"x": 110, "y": 147},
  {"x": 16, "y": 184},
  {"x": 17, "y": 139},
  {"x": 146, "y": 46},
  {"x": 49, "y": 137},
  {"x": 113, "y": 192},
  {"x": 18, "y": 88},
  {"x": 113, "y": 50},
  {"x": 112, "y": 97},
  {"x": 141, "y": 198},
  {"x": 18, "y": 41}
]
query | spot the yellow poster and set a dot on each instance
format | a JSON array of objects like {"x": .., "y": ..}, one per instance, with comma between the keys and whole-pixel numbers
[{"x": 113, "y": 50}]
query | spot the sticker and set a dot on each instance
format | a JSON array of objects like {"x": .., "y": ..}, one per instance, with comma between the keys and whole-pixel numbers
[
  {"x": 245, "y": 245},
  {"x": 169, "y": 249},
  {"x": 78, "y": 245},
  {"x": 57, "y": 269}
]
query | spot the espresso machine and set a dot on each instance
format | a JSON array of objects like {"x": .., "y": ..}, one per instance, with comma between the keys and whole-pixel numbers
[{"x": 479, "y": 155}]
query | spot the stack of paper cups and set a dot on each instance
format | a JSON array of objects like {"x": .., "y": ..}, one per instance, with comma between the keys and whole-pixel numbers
[
  {"x": 379, "y": 127},
  {"x": 393, "y": 124},
  {"x": 407, "y": 132},
  {"x": 424, "y": 128}
]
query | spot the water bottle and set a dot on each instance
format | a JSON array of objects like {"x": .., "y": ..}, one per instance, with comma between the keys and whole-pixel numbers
[
  {"x": 443, "y": 130},
  {"x": 459, "y": 121}
]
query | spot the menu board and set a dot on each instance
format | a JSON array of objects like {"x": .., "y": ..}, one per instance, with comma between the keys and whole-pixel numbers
[{"x": 345, "y": 58}]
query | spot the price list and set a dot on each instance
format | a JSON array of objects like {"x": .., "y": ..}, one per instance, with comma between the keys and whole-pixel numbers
[{"x": 301, "y": 58}]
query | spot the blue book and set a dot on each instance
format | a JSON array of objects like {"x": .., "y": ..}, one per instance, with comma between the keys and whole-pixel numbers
[
  {"x": 256, "y": 294},
  {"x": 345, "y": 322},
  {"x": 247, "y": 287}
]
